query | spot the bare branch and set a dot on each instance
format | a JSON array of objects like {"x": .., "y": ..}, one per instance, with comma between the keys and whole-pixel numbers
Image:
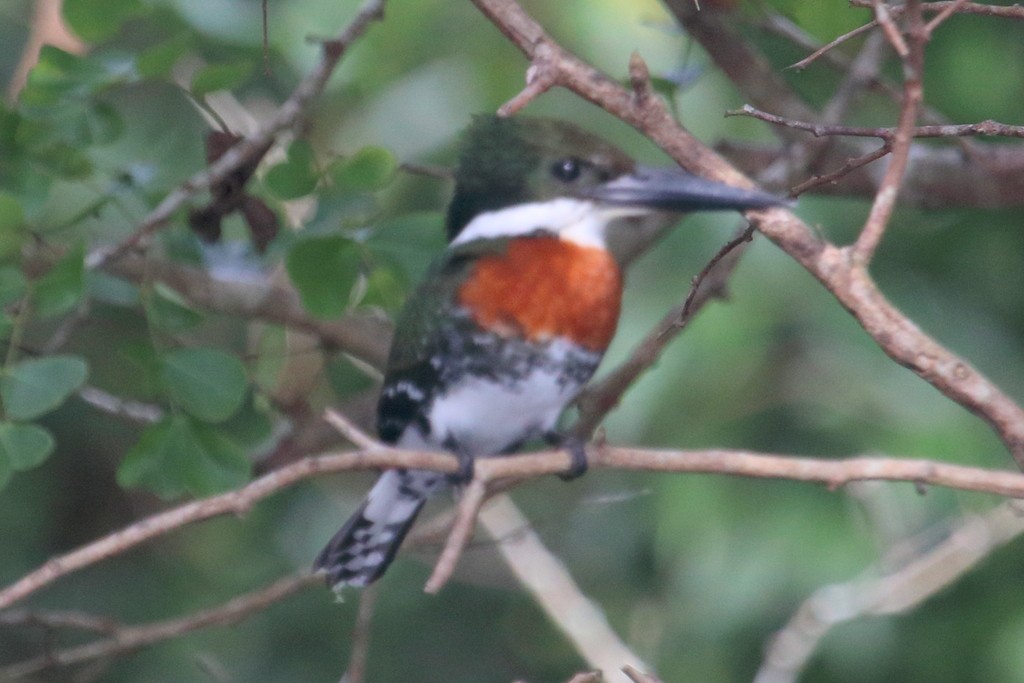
[
  {"x": 811, "y": 58},
  {"x": 55, "y": 619},
  {"x": 889, "y": 27},
  {"x": 881, "y": 591},
  {"x": 127, "y": 639},
  {"x": 137, "y": 411},
  {"x": 912, "y": 54},
  {"x": 832, "y": 473},
  {"x": 600, "y": 397},
  {"x": 847, "y": 168},
  {"x": 945, "y": 13},
  {"x": 982, "y": 128},
  {"x": 747, "y": 67},
  {"x": 356, "y": 670},
  {"x": 351, "y": 431},
  {"x": 587, "y": 677},
  {"x": 545, "y": 577},
  {"x": 1003, "y": 11},
  {"x": 835, "y": 268},
  {"x": 639, "y": 676},
  {"x": 473, "y": 498}
]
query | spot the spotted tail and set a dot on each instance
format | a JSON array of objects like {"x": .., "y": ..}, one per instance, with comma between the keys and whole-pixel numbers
[{"x": 362, "y": 550}]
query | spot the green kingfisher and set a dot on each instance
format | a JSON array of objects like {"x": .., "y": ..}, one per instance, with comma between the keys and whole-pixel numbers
[{"x": 514, "y": 317}]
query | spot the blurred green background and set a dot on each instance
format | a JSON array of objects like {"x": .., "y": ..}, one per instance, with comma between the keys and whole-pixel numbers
[{"x": 695, "y": 572}]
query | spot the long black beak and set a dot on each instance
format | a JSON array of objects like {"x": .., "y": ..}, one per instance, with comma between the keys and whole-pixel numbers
[{"x": 676, "y": 190}]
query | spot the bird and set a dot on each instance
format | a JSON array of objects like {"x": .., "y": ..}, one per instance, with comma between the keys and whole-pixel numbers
[{"x": 513, "y": 318}]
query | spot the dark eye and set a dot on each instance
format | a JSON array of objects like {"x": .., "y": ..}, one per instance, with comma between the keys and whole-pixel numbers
[{"x": 567, "y": 170}]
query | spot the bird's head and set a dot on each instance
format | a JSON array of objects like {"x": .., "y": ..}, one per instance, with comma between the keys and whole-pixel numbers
[{"x": 523, "y": 175}]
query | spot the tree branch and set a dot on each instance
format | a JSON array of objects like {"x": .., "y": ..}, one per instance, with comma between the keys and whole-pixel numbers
[
  {"x": 123, "y": 640},
  {"x": 832, "y": 473},
  {"x": 882, "y": 591},
  {"x": 1005, "y": 12},
  {"x": 545, "y": 577},
  {"x": 982, "y": 128},
  {"x": 912, "y": 53},
  {"x": 835, "y": 268}
]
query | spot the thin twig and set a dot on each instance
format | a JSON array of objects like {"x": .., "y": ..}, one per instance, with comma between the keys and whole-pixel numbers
[
  {"x": 136, "y": 411},
  {"x": 811, "y": 58},
  {"x": 639, "y": 676},
  {"x": 982, "y": 128},
  {"x": 884, "y": 591},
  {"x": 601, "y": 396},
  {"x": 127, "y": 639},
  {"x": 944, "y": 13},
  {"x": 586, "y": 677},
  {"x": 889, "y": 27},
  {"x": 894, "y": 333},
  {"x": 912, "y": 53},
  {"x": 847, "y": 168},
  {"x": 544, "y": 575},
  {"x": 350, "y": 430},
  {"x": 745, "y": 236},
  {"x": 832, "y": 473},
  {"x": 360, "y": 652},
  {"x": 1003, "y": 11},
  {"x": 55, "y": 619},
  {"x": 473, "y": 498}
]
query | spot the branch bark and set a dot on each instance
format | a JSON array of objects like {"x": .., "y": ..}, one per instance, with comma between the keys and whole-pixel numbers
[
  {"x": 836, "y": 268},
  {"x": 123, "y": 640},
  {"x": 832, "y": 473}
]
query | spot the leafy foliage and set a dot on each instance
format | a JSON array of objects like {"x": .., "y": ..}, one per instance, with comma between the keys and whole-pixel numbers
[{"x": 697, "y": 572}]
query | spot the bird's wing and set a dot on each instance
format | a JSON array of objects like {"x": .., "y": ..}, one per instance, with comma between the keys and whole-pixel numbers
[{"x": 428, "y": 329}]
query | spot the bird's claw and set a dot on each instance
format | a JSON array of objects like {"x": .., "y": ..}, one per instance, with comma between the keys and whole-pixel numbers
[{"x": 577, "y": 452}]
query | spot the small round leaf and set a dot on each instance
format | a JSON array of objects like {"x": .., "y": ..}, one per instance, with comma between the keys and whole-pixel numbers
[
  {"x": 34, "y": 387},
  {"x": 206, "y": 383}
]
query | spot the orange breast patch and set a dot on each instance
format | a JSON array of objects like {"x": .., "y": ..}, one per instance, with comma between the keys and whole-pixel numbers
[{"x": 544, "y": 287}]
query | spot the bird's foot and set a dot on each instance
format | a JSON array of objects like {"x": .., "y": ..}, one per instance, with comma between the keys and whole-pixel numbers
[
  {"x": 467, "y": 469},
  {"x": 577, "y": 448}
]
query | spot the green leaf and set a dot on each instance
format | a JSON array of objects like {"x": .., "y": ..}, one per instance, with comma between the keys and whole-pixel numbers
[
  {"x": 169, "y": 311},
  {"x": 12, "y": 222},
  {"x": 324, "y": 269},
  {"x": 297, "y": 176},
  {"x": 346, "y": 379},
  {"x": 95, "y": 21},
  {"x": 385, "y": 289},
  {"x": 6, "y": 326},
  {"x": 368, "y": 170},
  {"x": 52, "y": 79},
  {"x": 64, "y": 160},
  {"x": 215, "y": 77},
  {"x": 12, "y": 285},
  {"x": 103, "y": 124},
  {"x": 34, "y": 387},
  {"x": 158, "y": 60},
  {"x": 24, "y": 446},
  {"x": 60, "y": 80},
  {"x": 249, "y": 428},
  {"x": 145, "y": 366},
  {"x": 60, "y": 289},
  {"x": 180, "y": 454},
  {"x": 206, "y": 383}
]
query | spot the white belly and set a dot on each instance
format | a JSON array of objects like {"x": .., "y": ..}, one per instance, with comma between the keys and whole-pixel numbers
[{"x": 485, "y": 416}]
